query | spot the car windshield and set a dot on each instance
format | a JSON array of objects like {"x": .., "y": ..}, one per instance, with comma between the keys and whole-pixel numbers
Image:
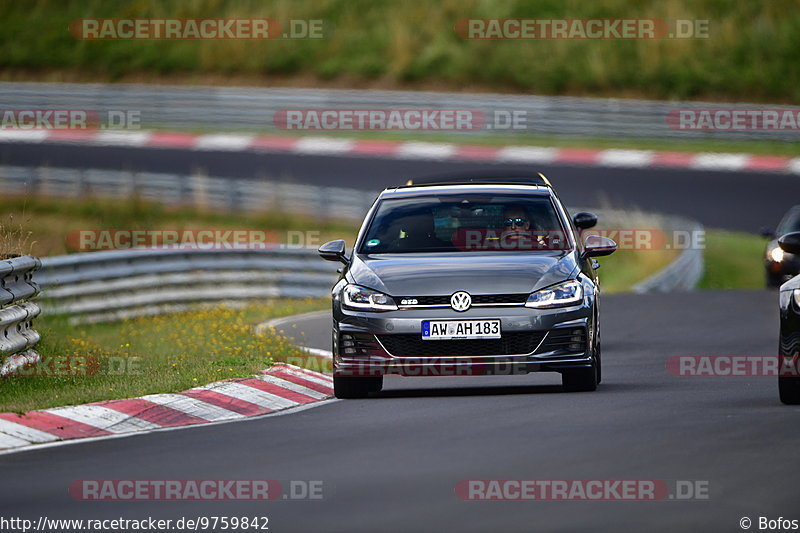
[
  {"x": 465, "y": 223},
  {"x": 790, "y": 223}
]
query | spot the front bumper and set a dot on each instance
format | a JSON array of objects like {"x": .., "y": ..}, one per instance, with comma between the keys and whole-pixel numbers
[{"x": 370, "y": 344}]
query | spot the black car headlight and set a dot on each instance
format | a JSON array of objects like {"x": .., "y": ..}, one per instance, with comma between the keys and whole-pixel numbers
[
  {"x": 559, "y": 295},
  {"x": 776, "y": 255},
  {"x": 357, "y": 297}
]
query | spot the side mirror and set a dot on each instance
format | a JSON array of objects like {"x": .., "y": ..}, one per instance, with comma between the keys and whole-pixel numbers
[
  {"x": 790, "y": 242},
  {"x": 767, "y": 233},
  {"x": 333, "y": 251},
  {"x": 584, "y": 220},
  {"x": 596, "y": 246}
]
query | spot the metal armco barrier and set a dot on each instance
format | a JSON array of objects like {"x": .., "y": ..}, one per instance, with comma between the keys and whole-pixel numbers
[
  {"x": 113, "y": 285},
  {"x": 118, "y": 284},
  {"x": 685, "y": 272},
  {"x": 253, "y": 109},
  {"x": 17, "y": 335}
]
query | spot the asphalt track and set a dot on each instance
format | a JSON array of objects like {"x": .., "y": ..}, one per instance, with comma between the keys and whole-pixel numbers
[
  {"x": 391, "y": 462},
  {"x": 744, "y": 201}
]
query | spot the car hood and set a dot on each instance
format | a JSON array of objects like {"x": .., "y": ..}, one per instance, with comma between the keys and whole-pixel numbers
[{"x": 444, "y": 274}]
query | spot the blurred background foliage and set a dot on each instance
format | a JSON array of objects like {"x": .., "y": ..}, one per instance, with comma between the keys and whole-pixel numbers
[{"x": 751, "y": 55}]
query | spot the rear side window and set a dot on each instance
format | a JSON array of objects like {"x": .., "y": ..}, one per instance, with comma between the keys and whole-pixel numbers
[{"x": 466, "y": 222}]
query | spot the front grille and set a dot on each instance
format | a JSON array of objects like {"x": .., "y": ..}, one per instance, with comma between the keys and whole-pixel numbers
[
  {"x": 477, "y": 299},
  {"x": 565, "y": 340},
  {"x": 426, "y": 300},
  {"x": 514, "y": 343},
  {"x": 500, "y": 299}
]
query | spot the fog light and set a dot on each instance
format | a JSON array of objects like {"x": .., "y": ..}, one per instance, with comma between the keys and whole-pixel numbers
[{"x": 348, "y": 345}]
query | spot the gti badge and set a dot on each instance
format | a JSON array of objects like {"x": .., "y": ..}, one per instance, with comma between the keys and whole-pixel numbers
[{"x": 460, "y": 301}]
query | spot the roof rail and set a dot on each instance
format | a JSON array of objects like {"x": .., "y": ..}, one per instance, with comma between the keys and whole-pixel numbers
[{"x": 488, "y": 178}]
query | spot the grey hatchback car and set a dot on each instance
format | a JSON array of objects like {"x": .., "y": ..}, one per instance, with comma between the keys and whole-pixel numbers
[{"x": 467, "y": 276}]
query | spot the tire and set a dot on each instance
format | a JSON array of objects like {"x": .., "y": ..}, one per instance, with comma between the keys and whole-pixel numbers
[
  {"x": 581, "y": 379},
  {"x": 348, "y": 388},
  {"x": 598, "y": 360},
  {"x": 789, "y": 389}
]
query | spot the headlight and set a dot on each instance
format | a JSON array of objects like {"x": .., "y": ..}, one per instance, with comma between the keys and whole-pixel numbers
[
  {"x": 566, "y": 293},
  {"x": 357, "y": 297},
  {"x": 776, "y": 254}
]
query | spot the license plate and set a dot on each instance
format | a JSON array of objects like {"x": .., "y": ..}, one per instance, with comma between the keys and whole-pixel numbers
[{"x": 439, "y": 330}]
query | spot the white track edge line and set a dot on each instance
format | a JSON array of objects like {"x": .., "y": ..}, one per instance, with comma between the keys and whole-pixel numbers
[{"x": 290, "y": 410}]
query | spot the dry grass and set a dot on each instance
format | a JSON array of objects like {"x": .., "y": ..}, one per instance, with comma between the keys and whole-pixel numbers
[
  {"x": 628, "y": 266},
  {"x": 167, "y": 353},
  {"x": 15, "y": 239}
]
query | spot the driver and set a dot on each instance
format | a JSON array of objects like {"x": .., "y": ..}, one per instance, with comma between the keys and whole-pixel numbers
[
  {"x": 517, "y": 223},
  {"x": 517, "y": 229}
]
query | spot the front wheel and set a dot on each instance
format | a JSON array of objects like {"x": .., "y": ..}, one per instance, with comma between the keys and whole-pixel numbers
[
  {"x": 356, "y": 387},
  {"x": 582, "y": 379},
  {"x": 789, "y": 389},
  {"x": 598, "y": 360}
]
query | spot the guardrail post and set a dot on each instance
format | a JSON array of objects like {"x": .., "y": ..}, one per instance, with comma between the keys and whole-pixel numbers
[{"x": 17, "y": 311}]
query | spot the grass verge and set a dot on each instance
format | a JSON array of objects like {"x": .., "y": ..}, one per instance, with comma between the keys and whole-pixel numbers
[
  {"x": 167, "y": 353},
  {"x": 49, "y": 221},
  {"x": 733, "y": 260},
  {"x": 618, "y": 272},
  {"x": 748, "y": 54}
]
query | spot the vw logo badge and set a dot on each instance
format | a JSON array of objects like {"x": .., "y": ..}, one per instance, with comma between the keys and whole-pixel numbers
[{"x": 460, "y": 301}]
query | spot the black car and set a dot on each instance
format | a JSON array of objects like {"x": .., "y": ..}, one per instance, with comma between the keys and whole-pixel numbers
[
  {"x": 780, "y": 264},
  {"x": 467, "y": 276},
  {"x": 789, "y": 380}
]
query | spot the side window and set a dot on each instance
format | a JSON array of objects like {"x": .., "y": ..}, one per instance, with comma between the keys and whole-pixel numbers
[{"x": 570, "y": 226}]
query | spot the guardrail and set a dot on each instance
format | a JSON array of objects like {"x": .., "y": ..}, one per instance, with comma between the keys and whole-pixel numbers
[
  {"x": 119, "y": 284},
  {"x": 685, "y": 272},
  {"x": 253, "y": 109},
  {"x": 231, "y": 194},
  {"x": 113, "y": 285},
  {"x": 17, "y": 311}
]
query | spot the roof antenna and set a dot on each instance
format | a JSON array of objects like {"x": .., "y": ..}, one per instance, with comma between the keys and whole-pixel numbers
[{"x": 547, "y": 181}]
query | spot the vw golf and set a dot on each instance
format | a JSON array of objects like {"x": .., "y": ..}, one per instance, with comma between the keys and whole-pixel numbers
[{"x": 467, "y": 276}]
